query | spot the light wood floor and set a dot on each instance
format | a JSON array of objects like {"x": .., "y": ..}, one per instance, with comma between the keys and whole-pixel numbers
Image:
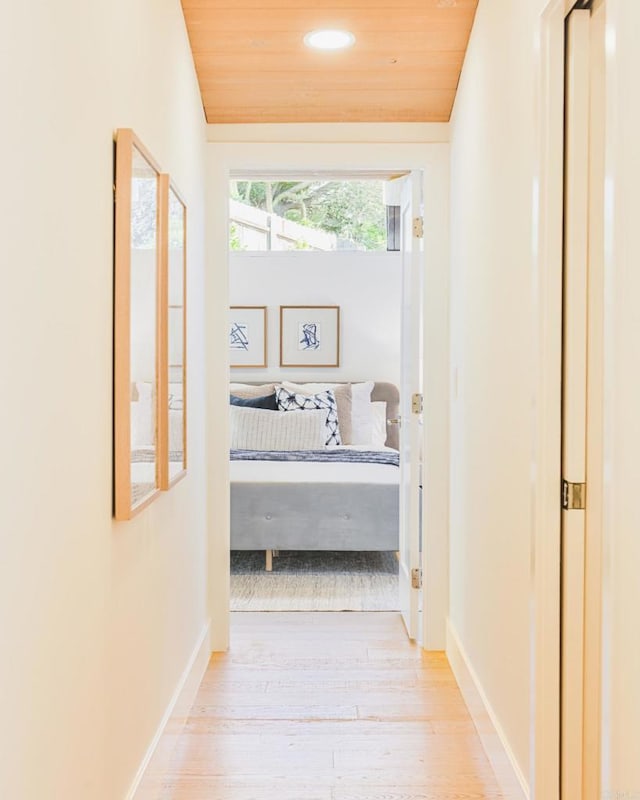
[{"x": 327, "y": 706}]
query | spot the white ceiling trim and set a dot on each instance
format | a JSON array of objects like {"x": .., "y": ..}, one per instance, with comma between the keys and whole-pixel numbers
[{"x": 311, "y": 174}]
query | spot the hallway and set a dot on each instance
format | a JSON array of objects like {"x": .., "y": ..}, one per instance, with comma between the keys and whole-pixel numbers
[{"x": 328, "y": 706}]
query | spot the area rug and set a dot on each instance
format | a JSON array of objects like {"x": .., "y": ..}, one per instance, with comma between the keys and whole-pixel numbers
[{"x": 314, "y": 581}]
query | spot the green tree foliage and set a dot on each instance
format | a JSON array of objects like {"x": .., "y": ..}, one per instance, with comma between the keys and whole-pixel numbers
[
  {"x": 234, "y": 238},
  {"x": 353, "y": 210},
  {"x": 143, "y": 213}
]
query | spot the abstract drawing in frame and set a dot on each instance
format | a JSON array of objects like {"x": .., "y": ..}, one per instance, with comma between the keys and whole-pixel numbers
[
  {"x": 309, "y": 336},
  {"x": 248, "y": 336}
]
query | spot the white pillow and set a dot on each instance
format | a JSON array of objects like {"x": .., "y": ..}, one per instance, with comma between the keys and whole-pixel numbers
[
  {"x": 361, "y": 416},
  {"x": 379, "y": 426},
  {"x": 176, "y": 396},
  {"x": 143, "y": 417},
  {"x": 249, "y": 390},
  {"x": 176, "y": 431},
  {"x": 260, "y": 429}
]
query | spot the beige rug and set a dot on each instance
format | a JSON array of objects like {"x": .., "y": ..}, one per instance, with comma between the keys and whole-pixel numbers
[{"x": 314, "y": 581}]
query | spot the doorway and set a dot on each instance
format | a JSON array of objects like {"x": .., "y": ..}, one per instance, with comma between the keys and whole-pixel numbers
[
  {"x": 314, "y": 255},
  {"x": 432, "y": 159},
  {"x": 340, "y": 526}
]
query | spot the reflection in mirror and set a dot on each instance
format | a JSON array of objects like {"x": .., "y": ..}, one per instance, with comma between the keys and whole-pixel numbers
[
  {"x": 144, "y": 260},
  {"x": 136, "y": 333},
  {"x": 176, "y": 330}
]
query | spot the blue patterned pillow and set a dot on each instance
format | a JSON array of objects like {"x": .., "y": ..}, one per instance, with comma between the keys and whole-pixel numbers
[{"x": 291, "y": 401}]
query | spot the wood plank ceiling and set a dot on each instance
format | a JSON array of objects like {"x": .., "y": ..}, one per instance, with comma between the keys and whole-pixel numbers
[{"x": 253, "y": 66}]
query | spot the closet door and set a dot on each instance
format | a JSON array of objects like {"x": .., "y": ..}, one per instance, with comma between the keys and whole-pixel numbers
[{"x": 582, "y": 402}]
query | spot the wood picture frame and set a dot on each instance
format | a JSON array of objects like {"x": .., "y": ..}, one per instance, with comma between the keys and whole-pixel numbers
[
  {"x": 310, "y": 336},
  {"x": 172, "y": 393},
  {"x": 137, "y": 325},
  {"x": 248, "y": 337}
]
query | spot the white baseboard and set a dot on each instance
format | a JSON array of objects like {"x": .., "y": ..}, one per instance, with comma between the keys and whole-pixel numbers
[
  {"x": 494, "y": 741},
  {"x": 147, "y": 782}
]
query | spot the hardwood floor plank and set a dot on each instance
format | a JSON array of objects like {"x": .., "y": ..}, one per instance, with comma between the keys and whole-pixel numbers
[
  {"x": 418, "y": 793},
  {"x": 275, "y": 712},
  {"x": 327, "y": 706},
  {"x": 206, "y": 790}
]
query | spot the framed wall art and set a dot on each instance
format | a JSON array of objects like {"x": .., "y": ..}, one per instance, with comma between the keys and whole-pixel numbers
[
  {"x": 309, "y": 336},
  {"x": 137, "y": 336},
  {"x": 248, "y": 336}
]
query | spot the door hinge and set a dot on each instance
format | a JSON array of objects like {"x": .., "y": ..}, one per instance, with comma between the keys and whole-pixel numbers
[
  {"x": 574, "y": 496},
  {"x": 418, "y": 227},
  {"x": 416, "y": 578},
  {"x": 417, "y": 403}
]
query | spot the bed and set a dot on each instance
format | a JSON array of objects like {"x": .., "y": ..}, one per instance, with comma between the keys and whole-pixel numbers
[{"x": 341, "y": 498}]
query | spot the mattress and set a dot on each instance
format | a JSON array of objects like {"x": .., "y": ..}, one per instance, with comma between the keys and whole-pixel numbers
[
  {"x": 296, "y": 472},
  {"x": 286, "y": 505}
]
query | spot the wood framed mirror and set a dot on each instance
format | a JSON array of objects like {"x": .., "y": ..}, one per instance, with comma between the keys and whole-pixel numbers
[
  {"x": 173, "y": 372},
  {"x": 137, "y": 321}
]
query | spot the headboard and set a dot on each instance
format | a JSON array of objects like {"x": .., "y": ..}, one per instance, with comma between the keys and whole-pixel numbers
[
  {"x": 388, "y": 392},
  {"x": 382, "y": 392}
]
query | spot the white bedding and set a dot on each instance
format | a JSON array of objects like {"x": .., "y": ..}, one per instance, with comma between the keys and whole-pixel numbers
[{"x": 314, "y": 472}]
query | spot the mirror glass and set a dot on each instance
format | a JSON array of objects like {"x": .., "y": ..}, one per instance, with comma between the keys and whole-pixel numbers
[
  {"x": 176, "y": 336},
  {"x": 143, "y": 328}
]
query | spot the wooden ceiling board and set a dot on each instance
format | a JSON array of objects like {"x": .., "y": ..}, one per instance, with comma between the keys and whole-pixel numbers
[
  {"x": 323, "y": 5},
  {"x": 253, "y": 66},
  {"x": 427, "y": 64}
]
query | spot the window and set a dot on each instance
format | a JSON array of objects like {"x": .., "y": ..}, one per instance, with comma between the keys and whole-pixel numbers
[{"x": 322, "y": 215}]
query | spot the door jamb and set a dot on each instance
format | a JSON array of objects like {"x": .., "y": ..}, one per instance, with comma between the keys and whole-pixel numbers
[{"x": 433, "y": 159}]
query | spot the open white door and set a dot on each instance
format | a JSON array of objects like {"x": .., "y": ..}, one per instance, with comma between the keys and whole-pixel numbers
[{"x": 411, "y": 403}]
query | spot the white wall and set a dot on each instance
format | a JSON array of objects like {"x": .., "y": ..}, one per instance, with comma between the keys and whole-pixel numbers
[
  {"x": 98, "y": 619},
  {"x": 366, "y": 286},
  {"x": 493, "y": 160},
  {"x": 621, "y": 514}
]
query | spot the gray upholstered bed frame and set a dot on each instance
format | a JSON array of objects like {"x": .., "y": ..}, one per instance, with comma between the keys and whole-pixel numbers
[{"x": 314, "y": 516}]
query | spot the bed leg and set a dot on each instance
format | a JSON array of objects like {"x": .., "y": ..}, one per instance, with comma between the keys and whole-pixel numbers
[
  {"x": 276, "y": 553},
  {"x": 269, "y": 560}
]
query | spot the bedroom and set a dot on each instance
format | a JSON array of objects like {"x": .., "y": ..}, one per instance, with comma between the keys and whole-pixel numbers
[{"x": 336, "y": 534}]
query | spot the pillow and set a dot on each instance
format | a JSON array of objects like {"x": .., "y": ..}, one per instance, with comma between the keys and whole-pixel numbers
[
  {"x": 176, "y": 400},
  {"x": 268, "y": 402},
  {"x": 247, "y": 390},
  {"x": 379, "y": 424},
  {"x": 342, "y": 392},
  {"x": 293, "y": 401},
  {"x": 310, "y": 388},
  {"x": 259, "y": 429},
  {"x": 143, "y": 417},
  {"x": 361, "y": 417},
  {"x": 176, "y": 435}
]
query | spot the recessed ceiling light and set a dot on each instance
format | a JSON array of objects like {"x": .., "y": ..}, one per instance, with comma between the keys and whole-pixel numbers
[{"x": 329, "y": 39}]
